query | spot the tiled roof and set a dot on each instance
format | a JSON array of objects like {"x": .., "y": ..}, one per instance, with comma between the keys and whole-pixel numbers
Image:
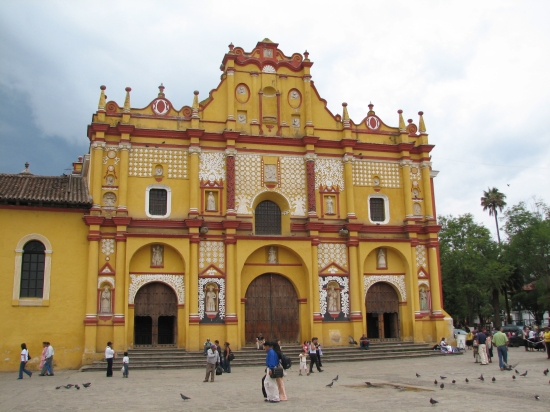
[{"x": 47, "y": 191}]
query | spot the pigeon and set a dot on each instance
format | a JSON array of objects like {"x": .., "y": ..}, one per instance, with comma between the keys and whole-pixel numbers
[
  {"x": 77, "y": 387},
  {"x": 330, "y": 384},
  {"x": 442, "y": 385},
  {"x": 537, "y": 397},
  {"x": 369, "y": 384},
  {"x": 481, "y": 378},
  {"x": 545, "y": 372},
  {"x": 86, "y": 384},
  {"x": 67, "y": 386},
  {"x": 454, "y": 381},
  {"x": 335, "y": 379},
  {"x": 57, "y": 387},
  {"x": 515, "y": 370},
  {"x": 70, "y": 385},
  {"x": 433, "y": 401},
  {"x": 524, "y": 374},
  {"x": 417, "y": 375},
  {"x": 184, "y": 397},
  {"x": 466, "y": 380},
  {"x": 435, "y": 381},
  {"x": 514, "y": 377},
  {"x": 442, "y": 377},
  {"x": 494, "y": 379}
]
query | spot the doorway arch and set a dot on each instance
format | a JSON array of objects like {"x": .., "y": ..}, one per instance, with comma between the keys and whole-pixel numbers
[
  {"x": 382, "y": 303},
  {"x": 155, "y": 316},
  {"x": 272, "y": 309}
]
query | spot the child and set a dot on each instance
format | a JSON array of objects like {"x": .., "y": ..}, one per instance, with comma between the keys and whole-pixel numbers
[
  {"x": 125, "y": 362},
  {"x": 303, "y": 361}
]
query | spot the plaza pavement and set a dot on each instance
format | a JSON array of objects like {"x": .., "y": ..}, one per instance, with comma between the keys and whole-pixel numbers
[{"x": 241, "y": 391}]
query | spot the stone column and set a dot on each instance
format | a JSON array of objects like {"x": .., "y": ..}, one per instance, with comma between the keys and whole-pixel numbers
[
  {"x": 119, "y": 322},
  {"x": 307, "y": 98},
  {"x": 230, "y": 97},
  {"x": 435, "y": 285},
  {"x": 230, "y": 177},
  {"x": 123, "y": 179},
  {"x": 194, "y": 189},
  {"x": 310, "y": 176},
  {"x": 254, "y": 103},
  {"x": 90, "y": 321},
  {"x": 348, "y": 182},
  {"x": 355, "y": 281},
  {"x": 427, "y": 187},
  {"x": 407, "y": 187},
  {"x": 97, "y": 162}
]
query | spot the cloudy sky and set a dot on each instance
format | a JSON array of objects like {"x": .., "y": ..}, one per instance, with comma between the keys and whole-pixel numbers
[{"x": 478, "y": 70}]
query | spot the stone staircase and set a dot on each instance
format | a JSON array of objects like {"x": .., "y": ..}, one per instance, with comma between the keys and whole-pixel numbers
[{"x": 173, "y": 358}]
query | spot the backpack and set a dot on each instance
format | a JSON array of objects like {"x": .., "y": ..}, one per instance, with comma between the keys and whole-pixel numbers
[
  {"x": 286, "y": 362},
  {"x": 231, "y": 356}
]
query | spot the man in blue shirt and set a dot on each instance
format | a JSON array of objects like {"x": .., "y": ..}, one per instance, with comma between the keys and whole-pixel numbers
[
  {"x": 482, "y": 347},
  {"x": 270, "y": 384}
]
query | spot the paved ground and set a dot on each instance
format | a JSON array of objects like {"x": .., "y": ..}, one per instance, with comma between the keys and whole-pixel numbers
[{"x": 159, "y": 390}]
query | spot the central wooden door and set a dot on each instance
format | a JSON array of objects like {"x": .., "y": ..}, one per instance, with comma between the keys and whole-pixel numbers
[
  {"x": 155, "y": 311},
  {"x": 272, "y": 309},
  {"x": 382, "y": 312}
]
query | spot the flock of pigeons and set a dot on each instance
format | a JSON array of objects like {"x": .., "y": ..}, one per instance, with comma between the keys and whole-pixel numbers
[{"x": 70, "y": 385}]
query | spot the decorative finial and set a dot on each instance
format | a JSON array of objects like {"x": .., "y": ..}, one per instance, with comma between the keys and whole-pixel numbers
[
  {"x": 401, "y": 120},
  {"x": 161, "y": 90},
  {"x": 371, "y": 112},
  {"x": 410, "y": 121},
  {"x": 195, "y": 106},
  {"x": 26, "y": 171},
  {"x": 421, "y": 124},
  {"x": 231, "y": 47},
  {"x": 102, "y": 98},
  {"x": 306, "y": 55},
  {"x": 127, "y": 101},
  {"x": 345, "y": 115}
]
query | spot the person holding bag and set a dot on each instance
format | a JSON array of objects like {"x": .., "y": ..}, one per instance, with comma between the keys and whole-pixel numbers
[
  {"x": 280, "y": 382},
  {"x": 271, "y": 373},
  {"x": 24, "y": 360}
]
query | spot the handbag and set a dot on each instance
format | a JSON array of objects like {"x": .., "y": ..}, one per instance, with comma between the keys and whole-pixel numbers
[
  {"x": 231, "y": 357},
  {"x": 278, "y": 371},
  {"x": 219, "y": 370}
]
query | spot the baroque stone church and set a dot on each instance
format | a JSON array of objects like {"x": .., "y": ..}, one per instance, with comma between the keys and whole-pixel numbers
[{"x": 255, "y": 209}]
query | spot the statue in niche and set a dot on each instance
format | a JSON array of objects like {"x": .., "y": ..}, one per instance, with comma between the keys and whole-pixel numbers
[
  {"x": 211, "y": 202},
  {"x": 423, "y": 299},
  {"x": 110, "y": 179},
  {"x": 156, "y": 259},
  {"x": 272, "y": 255},
  {"x": 109, "y": 199},
  {"x": 415, "y": 193},
  {"x": 105, "y": 306},
  {"x": 417, "y": 209},
  {"x": 211, "y": 297},
  {"x": 270, "y": 173},
  {"x": 330, "y": 205},
  {"x": 241, "y": 90},
  {"x": 333, "y": 301},
  {"x": 381, "y": 259}
]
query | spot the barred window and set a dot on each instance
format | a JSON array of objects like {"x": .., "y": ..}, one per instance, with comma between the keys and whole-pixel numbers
[
  {"x": 268, "y": 218},
  {"x": 158, "y": 202},
  {"x": 32, "y": 270},
  {"x": 377, "y": 209}
]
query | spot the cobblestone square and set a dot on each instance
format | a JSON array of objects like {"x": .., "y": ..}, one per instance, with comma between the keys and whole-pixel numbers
[{"x": 396, "y": 388}]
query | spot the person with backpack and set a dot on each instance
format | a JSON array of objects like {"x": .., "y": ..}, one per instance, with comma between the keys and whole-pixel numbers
[
  {"x": 227, "y": 358},
  {"x": 280, "y": 382}
]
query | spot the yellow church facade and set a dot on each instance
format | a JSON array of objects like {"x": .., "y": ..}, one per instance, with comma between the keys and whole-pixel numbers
[{"x": 253, "y": 210}]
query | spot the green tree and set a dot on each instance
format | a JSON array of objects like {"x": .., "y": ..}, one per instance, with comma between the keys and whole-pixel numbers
[{"x": 492, "y": 200}]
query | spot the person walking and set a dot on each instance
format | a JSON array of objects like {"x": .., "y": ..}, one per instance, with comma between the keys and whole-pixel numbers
[
  {"x": 23, "y": 362},
  {"x": 109, "y": 356},
  {"x": 500, "y": 340},
  {"x": 125, "y": 364},
  {"x": 481, "y": 339},
  {"x": 547, "y": 341},
  {"x": 313, "y": 356},
  {"x": 43, "y": 358},
  {"x": 220, "y": 353},
  {"x": 320, "y": 355},
  {"x": 212, "y": 358},
  {"x": 280, "y": 382},
  {"x": 48, "y": 364},
  {"x": 270, "y": 384},
  {"x": 489, "y": 344},
  {"x": 227, "y": 357}
]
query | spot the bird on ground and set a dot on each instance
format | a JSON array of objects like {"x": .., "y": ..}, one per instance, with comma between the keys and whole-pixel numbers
[
  {"x": 453, "y": 381},
  {"x": 57, "y": 387},
  {"x": 442, "y": 377},
  {"x": 514, "y": 377},
  {"x": 515, "y": 370},
  {"x": 442, "y": 385},
  {"x": 70, "y": 385},
  {"x": 330, "y": 384},
  {"x": 77, "y": 387},
  {"x": 481, "y": 378},
  {"x": 67, "y": 387},
  {"x": 435, "y": 381},
  {"x": 433, "y": 401},
  {"x": 545, "y": 372},
  {"x": 335, "y": 379},
  {"x": 537, "y": 397},
  {"x": 417, "y": 375},
  {"x": 494, "y": 379},
  {"x": 466, "y": 380},
  {"x": 184, "y": 397},
  {"x": 369, "y": 384},
  {"x": 524, "y": 374},
  {"x": 86, "y": 384}
]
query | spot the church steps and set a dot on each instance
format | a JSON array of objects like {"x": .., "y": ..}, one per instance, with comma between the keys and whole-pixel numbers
[{"x": 143, "y": 359}]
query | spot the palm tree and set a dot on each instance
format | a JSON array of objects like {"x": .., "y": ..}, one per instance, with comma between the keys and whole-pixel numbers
[{"x": 493, "y": 199}]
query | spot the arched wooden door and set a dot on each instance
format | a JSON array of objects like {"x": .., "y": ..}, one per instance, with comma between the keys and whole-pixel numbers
[
  {"x": 155, "y": 316},
  {"x": 272, "y": 309},
  {"x": 382, "y": 312}
]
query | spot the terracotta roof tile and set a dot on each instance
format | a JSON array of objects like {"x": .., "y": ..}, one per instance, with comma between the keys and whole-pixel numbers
[{"x": 57, "y": 191}]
